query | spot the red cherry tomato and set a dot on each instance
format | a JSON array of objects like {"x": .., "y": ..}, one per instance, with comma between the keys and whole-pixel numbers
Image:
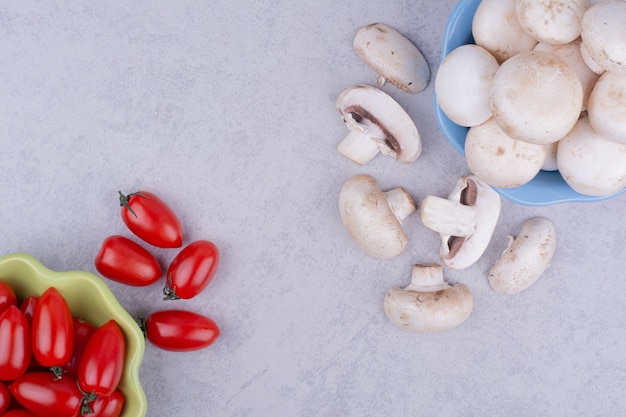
[
  {"x": 15, "y": 343},
  {"x": 52, "y": 330},
  {"x": 19, "y": 413},
  {"x": 7, "y": 296},
  {"x": 5, "y": 398},
  {"x": 82, "y": 333},
  {"x": 100, "y": 367},
  {"x": 148, "y": 217},
  {"x": 191, "y": 270},
  {"x": 125, "y": 261},
  {"x": 110, "y": 406},
  {"x": 45, "y": 396},
  {"x": 180, "y": 331},
  {"x": 28, "y": 307}
]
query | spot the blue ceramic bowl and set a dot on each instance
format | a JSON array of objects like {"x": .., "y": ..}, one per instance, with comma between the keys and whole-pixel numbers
[{"x": 548, "y": 187}]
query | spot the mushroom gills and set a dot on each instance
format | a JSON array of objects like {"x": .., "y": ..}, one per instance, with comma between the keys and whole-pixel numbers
[{"x": 465, "y": 220}]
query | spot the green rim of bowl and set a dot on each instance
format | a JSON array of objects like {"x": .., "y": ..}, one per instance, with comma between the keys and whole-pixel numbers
[{"x": 91, "y": 299}]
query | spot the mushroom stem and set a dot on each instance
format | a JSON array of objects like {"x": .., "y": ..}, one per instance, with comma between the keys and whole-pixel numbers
[
  {"x": 358, "y": 147},
  {"x": 448, "y": 217},
  {"x": 427, "y": 278},
  {"x": 401, "y": 203}
]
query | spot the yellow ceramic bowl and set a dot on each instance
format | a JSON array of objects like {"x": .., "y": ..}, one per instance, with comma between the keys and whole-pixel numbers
[{"x": 89, "y": 298}]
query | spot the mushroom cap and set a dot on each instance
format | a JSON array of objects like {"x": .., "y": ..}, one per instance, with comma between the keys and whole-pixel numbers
[
  {"x": 607, "y": 106},
  {"x": 392, "y": 56},
  {"x": 496, "y": 28},
  {"x": 463, "y": 84},
  {"x": 536, "y": 97},
  {"x": 525, "y": 259},
  {"x": 499, "y": 160},
  {"x": 424, "y": 310},
  {"x": 603, "y": 35},
  {"x": 556, "y": 22},
  {"x": 368, "y": 217},
  {"x": 591, "y": 164},
  {"x": 571, "y": 54},
  {"x": 380, "y": 116}
]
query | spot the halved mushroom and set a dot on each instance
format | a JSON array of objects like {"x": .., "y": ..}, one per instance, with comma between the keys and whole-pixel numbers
[
  {"x": 591, "y": 164},
  {"x": 499, "y": 160},
  {"x": 607, "y": 106},
  {"x": 374, "y": 218},
  {"x": 392, "y": 56},
  {"x": 496, "y": 28},
  {"x": 377, "y": 123},
  {"x": 536, "y": 97},
  {"x": 526, "y": 257},
  {"x": 603, "y": 35},
  {"x": 463, "y": 84},
  {"x": 465, "y": 220},
  {"x": 428, "y": 304},
  {"x": 555, "y": 22}
]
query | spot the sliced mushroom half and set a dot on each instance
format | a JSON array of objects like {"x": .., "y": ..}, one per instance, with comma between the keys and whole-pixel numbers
[
  {"x": 392, "y": 56},
  {"x": 377, "y": 123},
  {"x": 465, "y": 220},
  {"x": 428, "y": 304},
  {"x": 373, "y": 218}
]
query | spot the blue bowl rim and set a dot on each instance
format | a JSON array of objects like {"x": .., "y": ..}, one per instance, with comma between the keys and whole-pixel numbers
[{"x": 548, "y": 187}]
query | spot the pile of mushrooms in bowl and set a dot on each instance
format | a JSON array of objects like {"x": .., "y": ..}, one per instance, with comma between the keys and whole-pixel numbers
[{"x": 533, "y": 94}]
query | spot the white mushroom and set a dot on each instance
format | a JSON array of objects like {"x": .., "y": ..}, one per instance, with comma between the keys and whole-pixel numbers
[
  {"x": 536, "y": 97},
  {"x": 465, "y": 220},
  {"x": 374, "y": 218},
  {"x": 428, "y": 304},
  {"x": 556, "y": 22},
  {"x": 377, "y": 123},
  {"x": 463, "y": 84},
  {"x": 607, "y": 106},
  {"x": 571, "y": 54},
  {"x": 591, "y": 164},
  {"x": 525, "y": 259},
  {"x": 495, "y": 27},
  {"x": 604, "y": 36},
  {"x": 499, "y": 160},
  {"x": 392, "y": 56}
]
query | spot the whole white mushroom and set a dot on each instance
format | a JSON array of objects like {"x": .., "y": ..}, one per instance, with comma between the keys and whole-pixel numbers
[
  {"x": 536, "y": 97},
  {"x": 555, "y": 22},
  {"x": 463, "y": 84},
  {"x": 603, "y": 33},
  {"x": 607, "y": 106},
  {"x": 591, "y": 164}
]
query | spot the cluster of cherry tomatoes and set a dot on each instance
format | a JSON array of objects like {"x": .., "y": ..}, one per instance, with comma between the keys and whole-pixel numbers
[
  {"x": 192, "y": 269},
  {"x": 39, "y": 335}
]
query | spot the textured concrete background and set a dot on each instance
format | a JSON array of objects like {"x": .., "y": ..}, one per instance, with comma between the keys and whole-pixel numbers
[{"x": 227, "y": 111}]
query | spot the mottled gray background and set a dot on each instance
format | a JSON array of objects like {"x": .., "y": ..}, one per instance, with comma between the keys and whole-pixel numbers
[{"x": 226, "y": 110}]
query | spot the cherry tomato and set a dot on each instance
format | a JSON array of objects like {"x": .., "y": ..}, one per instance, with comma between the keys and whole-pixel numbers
[
  {"x": 82, "y": 333},
  {"x": 100, "y": 367},
  {"x": 125, "y": 261},
  {"x": 45, "y": 396},
  {"x": 180, "y": 331},
  {"x": 191, "y": 270},
  {"x": 15, "y": 343},
  {"x": 19, "y": 413},
  {"x": 5, "y": 398},
  {"x": 110, "y": 406},
  {"x": 52, "y": 330},
  {"x": 148, "y": 217},
  {"x": 28, "y": 307},
  {"x": 7, "y": 296}
]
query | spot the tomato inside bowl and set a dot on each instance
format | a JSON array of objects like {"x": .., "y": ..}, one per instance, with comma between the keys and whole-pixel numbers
[{"x": 548, "y": 187}]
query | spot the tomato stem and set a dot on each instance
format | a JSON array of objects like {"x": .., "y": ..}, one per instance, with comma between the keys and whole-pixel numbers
[
  {"x": 169, "y": 291},
  {"x": 124, "y": 200},
  {"x": 58, "y": 372},
  {"x": 85, "y": 408}
]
